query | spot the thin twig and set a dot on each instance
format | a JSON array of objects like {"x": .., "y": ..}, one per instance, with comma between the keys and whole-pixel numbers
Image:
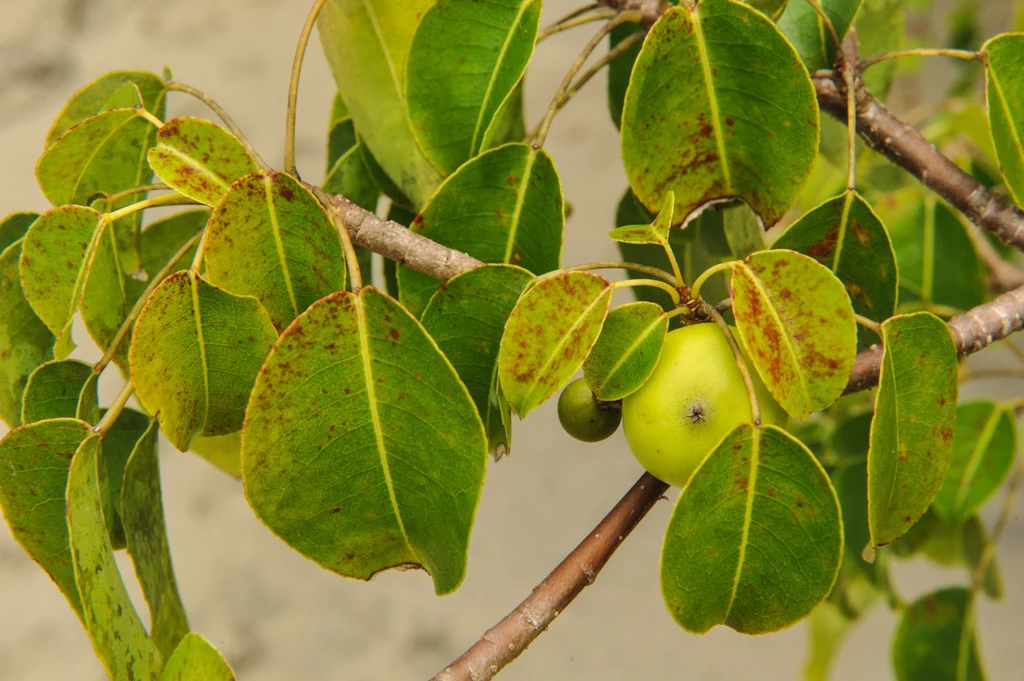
[
  {"x": 506, "y": 640},
  {"x": 828, "y": 25},
  {"x": 1003, "y": 276},
  {"x": 111, "y": 199},
  {"x": 114, "y": 410},
  {"x": 293, "y": 89},
  {"x": 229, "y": 123},
  {"x": 748, "y": 382},
  {"x": 1012, "y": 487},
  {"x": 606, "y": 59},
  {"x": 580, "y": 20},
  {"x": 921, "y": 52}
]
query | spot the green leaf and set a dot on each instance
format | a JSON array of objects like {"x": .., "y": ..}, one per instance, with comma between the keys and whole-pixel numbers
[
  {"x": 118, "y": 444},
  {"x": 91, "y": 99},
  {"x": 620, "y": 70},
  {"x": 912, "y": 431},
  {"x": 934, "y": 252},
  {"x": 627, "y": 350},
  {"x": 378, "y": 35},
  {"x": 58, "y": 390},
  {"x": 362, "y": 448},
  {"x": 466, "y": 318},
  {"x": 270, "y": 238},
  {"x": 846, "y": 236},
  {"x": 881, "y": 27},
  {"x": 350, "y": 177},
  {"x": 14, "y": 227},
  {"x": 1004, "y": 94},
  {"x": 142, "y": 513},
  {"x": 960, "y": 545},
  {"x": 772, "y": 8},
  {"x": 55, "y": 258},
  {"x": 107, "y": 297},
  {"x": 504, "y": 206},
  {"x": 719, "y": 107},
  {"x": 195, "y": 355},
  {"x": 510, "y": 123},
  {"x": 797, "y": 323},
  {"x": 807, "y": 31},
  {"x": 25, "y": 342},
  {"x": 117, "y": 634},
  {"x": 935, "y": 639},
  {"x": 984, "y": 447},
  {"x": 34, "y": 464},
  {"x": 743, "y": 231},
  {"x": 466, "y": 58},
  {"x": 383, "y": 182},
  {"x": 656, "y": 232},
  {"x": 161, "y": 239},
  {"x": 770, "y": 551},
  {"x": 199, "y": 159},
  {"x": 195, "y": 659},
  {"x": 548, "y": 335},
  {"x": 223, "y": 451},
  {"x": 827, "y": 627}
]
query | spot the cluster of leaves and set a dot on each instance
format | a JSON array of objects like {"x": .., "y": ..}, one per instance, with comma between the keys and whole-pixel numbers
[{"x": 360, "y": 420}]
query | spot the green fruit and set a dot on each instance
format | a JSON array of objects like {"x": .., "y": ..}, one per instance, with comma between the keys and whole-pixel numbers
[
  {"x": 580, "y": 415},
  {"x": 692, "y": 400}
]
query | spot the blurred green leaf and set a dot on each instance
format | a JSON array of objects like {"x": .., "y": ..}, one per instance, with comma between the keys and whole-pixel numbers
[
  {"x": 912, "y": 431},
  {"x": 549, "y": 334},
  {"x": 807, "y": 31},
  {"x": 1004, "y": 92},
  {"x": 195, "y": 355},
  {"x": 772, "y": 8},
  {"x": 743, "y": 230},
  {"x": 626, "y": 352},
  {"x": 466, "y": 58},
  {"x": 362, "y": 448},
  {"x": 466, "y": 318},
  {"x": 14, "y": 227},
  {"x": 719, "y": 107},
  {"x": 195, "y": 659},
  {"x": 881, "y": 27},
  {"x": 935, "y": 639},
  {"x": 775, "y": 514},
  {"x": 797, "y": 323},
  {"x": 223, "y": 451}
]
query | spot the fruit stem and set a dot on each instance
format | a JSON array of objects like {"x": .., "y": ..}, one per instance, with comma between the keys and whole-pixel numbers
[
  {"x": 617, "y": 265},
  {"x": 748, "y": 382},
  {"x": 668, "y": 288},
  {"x": 706, "y": 274}
]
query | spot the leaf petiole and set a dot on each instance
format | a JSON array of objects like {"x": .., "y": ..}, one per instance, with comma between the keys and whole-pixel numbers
[
  {"x": 706, "y": 274},
  {"x": 115, "y": 409},
  {"x": 229, "y": 123},
  {"x": 154, "y": 202},
  {"x": 748, "y": 383},
  {"x": 668, "y": 288},
  {"x": 293, "y": 89},
  {"x": 617, "y": 265}
]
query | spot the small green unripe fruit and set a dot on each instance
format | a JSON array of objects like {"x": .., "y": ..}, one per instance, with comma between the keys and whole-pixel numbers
[
  {"x": 692, "y": 400},
  {"x": 580, "y": 415}
]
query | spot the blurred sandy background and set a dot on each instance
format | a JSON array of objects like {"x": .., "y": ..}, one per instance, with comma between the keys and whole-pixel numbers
[{"x": 276, "y": 615}]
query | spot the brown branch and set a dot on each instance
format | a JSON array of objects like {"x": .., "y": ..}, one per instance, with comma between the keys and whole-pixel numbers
[
  {"x": 907, "y": 148},
  {"x": 508, "y": 638}
]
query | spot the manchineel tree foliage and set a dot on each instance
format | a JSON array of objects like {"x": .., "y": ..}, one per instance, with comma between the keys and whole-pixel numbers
[{"x": 362, "y": 421}]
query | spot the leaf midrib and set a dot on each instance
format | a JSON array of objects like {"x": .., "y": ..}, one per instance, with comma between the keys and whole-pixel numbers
[
  {"x": 194, "y": 288},
  {"x": 275, "y": 228},
  {"x": 520, "y": 201},
  {"x": 192, "y": 161},
  {"x": 705, "y": 65},
  {"x": 629, "y": 350},
  {"x": 755, "y": 443}
]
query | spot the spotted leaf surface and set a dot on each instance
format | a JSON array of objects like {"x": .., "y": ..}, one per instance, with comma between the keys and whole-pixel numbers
[
  {"x": 142, "y": 514},
  {"x": 195, "y": 658},
  {"x": 25, "y": 341},
  {"x": 549, "y": 334},
  {"x": 984, "y": 448},
  {"x": 456, "y": 86},
  {"x": 770, "y": 550},
  {"x": 58, "y": 390},
  {"x": 912, "y": 431},
  {"x": 466, "y": 318},
  {"x": 34, "y": 464},
  {"x": 1004, "y": 94},
  {"x": 845, "y": 235},
  {"x": 362, "y": 449},
  {"x": 271, "y": 239},
  {"x": 657, "y": 232},
  {"x": 195, "y": 355},
  {"x": 719, "y": 107},
  {"x": 936, "y": 640},
  {"x": 117, "y": 633},
  {"x": 94, "y": 96},
  {"x": 55, "y": 259},
  {"x": 504, "y": 206},
  {"x": 627, "y": 350},
  {"x": 199, "y": 159},
  {"x": 797, "y": 323}
]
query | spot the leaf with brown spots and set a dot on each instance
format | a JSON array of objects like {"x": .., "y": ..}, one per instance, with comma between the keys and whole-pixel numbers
[
  {"x": 270, "y": 238},
  {"x": 627, "y": 350},
  {"x": 60, "y": 389},
  {"x": 845, "y": 235},
  {"x": 56, "y": 255},
  {"x": 195, "y": 355},
  {"x": 797, "y": 322},
  {"x": 34, "y": 464},
  {"x": 199, "y": 159},
  {"x": 656, "y": 232},
  {"x": 984, "y": 449},
  {"x": 466, "y": 317},
  {"x": 755, "y": 541},
  {"x": 117, "y": 633},
  {"x": 703, "y": 66},
  {"x": 936, "y": 639},
  {"x": 95, "y": 96},
  {"x": 504, "y": 206},
  {"x": 548, "y": 336},
  {"x": 195, "y": 659},
  {"x": 912, "y": 431},
  {"x": 362, "y": 449}
]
